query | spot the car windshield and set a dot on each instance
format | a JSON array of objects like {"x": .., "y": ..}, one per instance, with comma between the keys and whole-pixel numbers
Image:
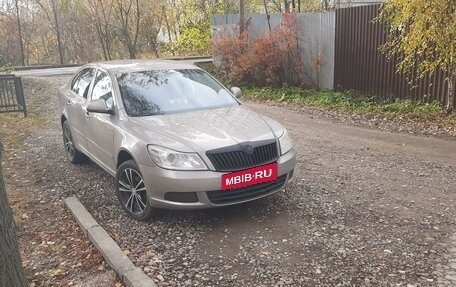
[{"x": 161, "y": 92}]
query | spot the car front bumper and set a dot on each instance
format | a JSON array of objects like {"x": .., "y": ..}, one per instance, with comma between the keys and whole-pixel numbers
[{"x": 160, "y": 182}]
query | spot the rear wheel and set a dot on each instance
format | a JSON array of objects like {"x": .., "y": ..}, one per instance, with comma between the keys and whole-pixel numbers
[
  {"x": 131, "y": 191},
  {"x": 73, "y": 154}
]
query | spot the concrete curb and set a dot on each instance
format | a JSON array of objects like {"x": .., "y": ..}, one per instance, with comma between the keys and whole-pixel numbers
[{"x": 114, "y": 256}]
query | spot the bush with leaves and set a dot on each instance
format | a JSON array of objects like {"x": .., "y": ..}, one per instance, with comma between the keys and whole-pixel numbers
[
  {"x": 270, "y": 60},
  {"x": 193, "y": 41},
  {"x": 423, "y": 34},
  {"x": 6, "y": 69}
]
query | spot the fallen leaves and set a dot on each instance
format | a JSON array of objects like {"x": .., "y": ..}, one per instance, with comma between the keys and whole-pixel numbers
[
  {"x": 57, "y": 272},
  {"x": 54, "y": 250}
]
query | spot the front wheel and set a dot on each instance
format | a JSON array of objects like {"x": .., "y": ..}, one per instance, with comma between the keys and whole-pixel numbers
[
  {"x": 131, "y": 191},
  {"x": 72, "y": 153}
]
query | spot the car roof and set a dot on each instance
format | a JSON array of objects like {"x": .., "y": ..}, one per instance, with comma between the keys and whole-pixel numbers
[{"x": 125, "y": 66}]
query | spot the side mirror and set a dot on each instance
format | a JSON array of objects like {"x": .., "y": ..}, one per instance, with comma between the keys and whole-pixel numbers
[
  {"x": 236, "y": 92},
  {"x": 99, "y": 106}
]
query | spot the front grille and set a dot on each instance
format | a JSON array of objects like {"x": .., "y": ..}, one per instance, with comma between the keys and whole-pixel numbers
[
  {"x": 246, "y": 193},
  {"x": 238, "y": 159}
]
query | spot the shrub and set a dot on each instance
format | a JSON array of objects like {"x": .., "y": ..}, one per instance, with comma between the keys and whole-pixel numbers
[{"x": 270, "y": 60}]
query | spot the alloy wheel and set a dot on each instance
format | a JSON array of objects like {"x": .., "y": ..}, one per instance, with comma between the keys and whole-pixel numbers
[
  {"x": 132, "y": 191},
  {"x": 68, "y": 141}
]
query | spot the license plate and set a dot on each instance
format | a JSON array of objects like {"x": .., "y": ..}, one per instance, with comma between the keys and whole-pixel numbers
[{"x": 251, "y": 176}]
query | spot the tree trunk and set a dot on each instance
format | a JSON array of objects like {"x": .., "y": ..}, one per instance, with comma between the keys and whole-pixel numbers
[
  {"x": 11, "y": 272},
  {"x": 170, "y": 39},
  {"x": 450, "y": 102},
  {"x": 101, "y": 38},
  {"x": 19, "y": 29},
  {"x": 57, "y": 30},
  {"x": 267, "y": 15},
  {"x": 138, "y": 21},
  {"x": 241, "y": 17}
]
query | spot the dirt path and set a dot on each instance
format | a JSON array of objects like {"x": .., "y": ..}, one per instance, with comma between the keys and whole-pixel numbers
[
  {"x": 368, "y": 208},
  {"x": 349, "y": 136}
]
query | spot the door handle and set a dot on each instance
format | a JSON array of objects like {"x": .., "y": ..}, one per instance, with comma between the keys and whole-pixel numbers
[
  {"x": 87, "y": 115},
  {"x": 69, "y": 103}
]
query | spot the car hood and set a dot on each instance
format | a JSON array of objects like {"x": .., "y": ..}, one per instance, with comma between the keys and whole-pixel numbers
[{"x": 204, "y": 130}]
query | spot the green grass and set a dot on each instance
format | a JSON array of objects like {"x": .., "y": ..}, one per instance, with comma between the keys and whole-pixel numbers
[
  {"x": 339, "y": 101},
  {"x": 352, "y": 103},
  {"x": 342, "y": 101}
]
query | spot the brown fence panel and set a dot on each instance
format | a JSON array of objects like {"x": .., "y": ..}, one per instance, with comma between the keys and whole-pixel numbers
[{"x": 359, "y": 65}]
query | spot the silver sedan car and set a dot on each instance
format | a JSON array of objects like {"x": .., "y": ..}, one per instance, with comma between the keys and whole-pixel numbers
[{"x": 172, "y": 136}]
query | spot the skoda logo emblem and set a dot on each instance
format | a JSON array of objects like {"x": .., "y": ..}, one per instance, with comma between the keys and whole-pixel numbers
[{"x": 248, "y": 149}]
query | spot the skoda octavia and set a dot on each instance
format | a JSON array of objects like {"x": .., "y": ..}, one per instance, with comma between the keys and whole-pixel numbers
[{"x": 172, "y": 136}]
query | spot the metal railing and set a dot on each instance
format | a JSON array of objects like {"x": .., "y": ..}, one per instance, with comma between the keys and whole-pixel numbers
[
  {"x": 11, "y": 95},
  {"x": 196, "y": 59}
]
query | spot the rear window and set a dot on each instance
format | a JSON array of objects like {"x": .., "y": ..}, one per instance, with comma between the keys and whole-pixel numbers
[{"x": 161, "y": 92}]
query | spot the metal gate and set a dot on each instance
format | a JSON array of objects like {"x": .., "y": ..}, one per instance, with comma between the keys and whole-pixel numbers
[{"x": 11, "y": 95}]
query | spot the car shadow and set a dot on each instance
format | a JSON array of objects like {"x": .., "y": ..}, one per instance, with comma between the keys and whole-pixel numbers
[{"x": 269, "y": 207}]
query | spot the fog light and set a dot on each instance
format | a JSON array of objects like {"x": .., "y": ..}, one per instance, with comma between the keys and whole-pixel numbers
[{"x": 183, "y": 197}]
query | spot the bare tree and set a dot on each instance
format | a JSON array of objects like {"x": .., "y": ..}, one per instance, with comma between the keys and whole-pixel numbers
[
  {"x": 241, "y": 17},
  {"x": 267, "y": 15},
  {"x": 153, "y": 22},
  {"x": 19, "y": 30},
  {"x": 128, "y": 13},
  {"x": 54, "y": 22},
  {"x": 101, "y": 12},
  {"x": 57, "y": 30}
]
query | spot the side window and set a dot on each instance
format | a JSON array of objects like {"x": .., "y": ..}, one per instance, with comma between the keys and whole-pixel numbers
[
  {"x": 82, "y": 82},
  {"x": 74, "y": 84},
  {"x": 102, "y": 89}
]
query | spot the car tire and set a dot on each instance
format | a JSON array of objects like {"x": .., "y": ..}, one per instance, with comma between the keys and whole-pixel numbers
[
  {"x": 72, "y": 153},
  {"x": 131, "y": 191}
]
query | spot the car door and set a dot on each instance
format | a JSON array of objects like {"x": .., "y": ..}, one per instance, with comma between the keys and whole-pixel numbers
[
  {"x": 76, "y": 103},
  {"x": 100, "y": 130}
]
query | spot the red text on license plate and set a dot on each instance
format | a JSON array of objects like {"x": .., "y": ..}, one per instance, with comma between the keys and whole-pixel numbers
[{"x": 251, "y": 176}]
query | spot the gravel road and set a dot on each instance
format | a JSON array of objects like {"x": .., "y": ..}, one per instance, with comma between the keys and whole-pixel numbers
[{"x": 367, "y": 208}]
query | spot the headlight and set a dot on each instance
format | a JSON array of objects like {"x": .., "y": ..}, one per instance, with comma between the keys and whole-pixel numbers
[
  {"x": 285, "y": 143},
  {"x": 171, "y": 159}
]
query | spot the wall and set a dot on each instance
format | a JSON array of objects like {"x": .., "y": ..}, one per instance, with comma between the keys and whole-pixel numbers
[
  {"x": 315, "y": 35},
  {"x": 316, "y": 39}
]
